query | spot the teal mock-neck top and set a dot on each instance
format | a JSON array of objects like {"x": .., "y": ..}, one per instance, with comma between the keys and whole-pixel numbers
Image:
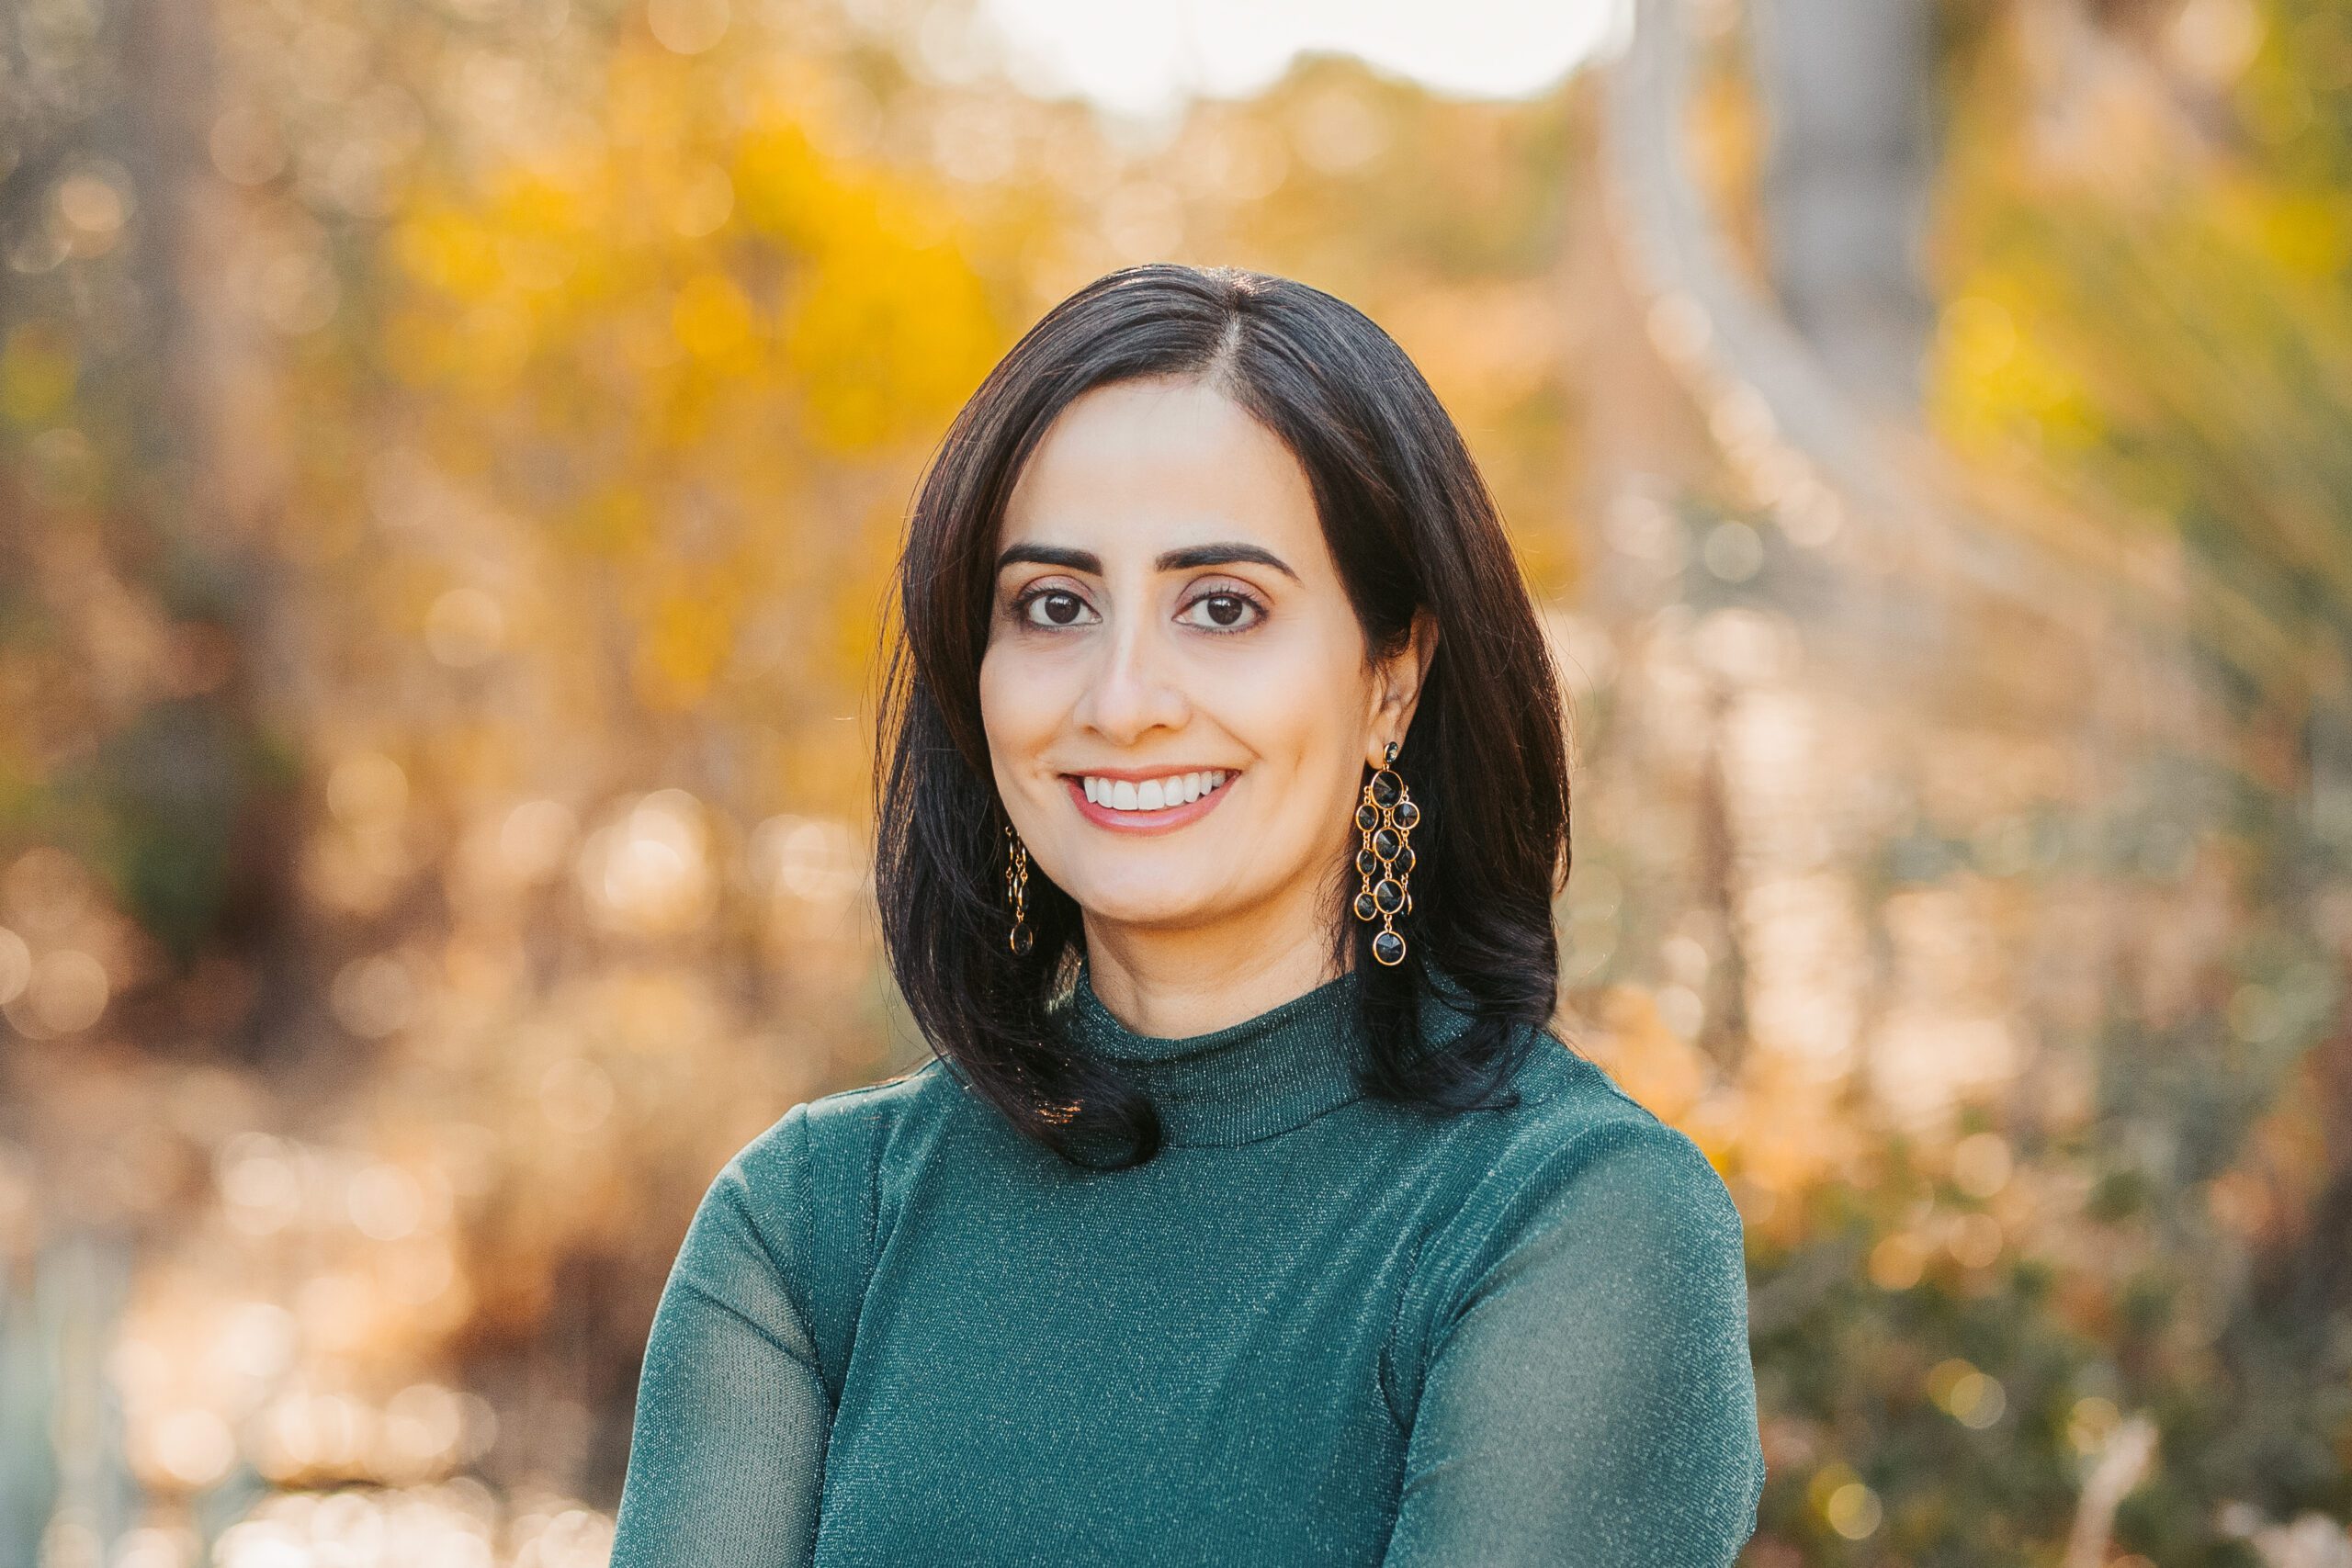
[{"x": 1315, "y": 1329}]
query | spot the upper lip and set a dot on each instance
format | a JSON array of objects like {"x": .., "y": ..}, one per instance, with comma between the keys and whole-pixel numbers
[{"x": 1136, "y": 775}]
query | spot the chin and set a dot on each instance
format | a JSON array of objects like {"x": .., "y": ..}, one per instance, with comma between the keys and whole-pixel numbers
[{"x": 1141, "y": 906}]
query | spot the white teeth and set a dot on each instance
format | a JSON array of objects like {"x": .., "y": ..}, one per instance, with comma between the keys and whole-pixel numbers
[{"x": 1152, "y": 794}]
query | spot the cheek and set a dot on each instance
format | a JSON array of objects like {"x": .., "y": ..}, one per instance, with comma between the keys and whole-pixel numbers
[
  {"x": 1019, "y": 701},
  {"x": 1302, "y": 735},
  {"x": 1300, "y": 705}
]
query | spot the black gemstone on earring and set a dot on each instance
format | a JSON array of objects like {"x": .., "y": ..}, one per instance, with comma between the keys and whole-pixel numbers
[
  {"x": 1367, "y": 864},
  {"x": 1366, "y": 908},
  {"x": 1386, "y": 845},
  {"x": 1403, "y": 864},
  {"x": 1367, "y": 816},
  {"x": 1407, "y": 814},
  {"x": 1023, "y": 939},
  {"x": 1388, "y": 947},
  {"x": 1384, "y": 788},
  {"x": 1389, "y": 896}
]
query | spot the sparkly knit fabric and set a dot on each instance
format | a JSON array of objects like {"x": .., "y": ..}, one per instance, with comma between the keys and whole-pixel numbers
[{"x": 1315, "y": 1329}]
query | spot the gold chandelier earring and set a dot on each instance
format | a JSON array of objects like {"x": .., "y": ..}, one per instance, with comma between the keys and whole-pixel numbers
[
  {"x": 1016, "y": 893},
  {"x": 1386, "y": 817}
]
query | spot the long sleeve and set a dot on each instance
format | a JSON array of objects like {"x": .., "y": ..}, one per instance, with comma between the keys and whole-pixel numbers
[
  {"x": 727, "y": 1456},
  {"x": 1587, "y": 1395}
]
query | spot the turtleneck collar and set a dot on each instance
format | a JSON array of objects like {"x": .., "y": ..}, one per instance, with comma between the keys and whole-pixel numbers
[{"x": 1248, "y": 1080}]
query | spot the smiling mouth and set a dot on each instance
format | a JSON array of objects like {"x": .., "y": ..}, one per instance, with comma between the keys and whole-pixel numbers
[{"x": 1145, "y": 796}]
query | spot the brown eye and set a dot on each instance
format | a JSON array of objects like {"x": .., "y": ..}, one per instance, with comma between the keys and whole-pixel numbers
[
  {"x": 1228, "y": 611},
  {"x": 1063, "y": 608}
]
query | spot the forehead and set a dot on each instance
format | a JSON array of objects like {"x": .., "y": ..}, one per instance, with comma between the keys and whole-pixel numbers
[{"x": 1151, "y": 460}]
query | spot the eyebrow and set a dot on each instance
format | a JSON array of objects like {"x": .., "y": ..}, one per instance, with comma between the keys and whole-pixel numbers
[{"x": 1185, "y": 560}]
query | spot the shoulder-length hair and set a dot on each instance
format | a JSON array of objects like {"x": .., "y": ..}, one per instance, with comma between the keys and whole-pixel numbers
[{"x": 1411, "y": 524}]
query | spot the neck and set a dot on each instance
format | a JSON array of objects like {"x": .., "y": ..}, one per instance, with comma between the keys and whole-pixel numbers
[
  {"x": 1157, "y": 985},
  {"x": 1252, "y": 1077}
]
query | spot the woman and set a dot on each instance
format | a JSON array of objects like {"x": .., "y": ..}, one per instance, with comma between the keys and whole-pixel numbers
[{"x": 1249, "y": 1212}]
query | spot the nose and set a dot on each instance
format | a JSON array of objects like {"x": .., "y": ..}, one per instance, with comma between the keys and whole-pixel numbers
[{"x": 1131, "y": 688}]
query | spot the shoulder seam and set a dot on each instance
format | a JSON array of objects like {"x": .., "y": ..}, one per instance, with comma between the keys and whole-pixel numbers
[
  {"x": 795, "y": 1287},
  {"x": 1576, "y": 1064},
  {"x": 1569, "y": 1150},
  {"x": 849, "y": 1147}
]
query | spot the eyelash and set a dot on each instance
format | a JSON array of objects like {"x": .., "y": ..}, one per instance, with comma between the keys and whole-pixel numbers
[{"x": 1020, "y": 608}]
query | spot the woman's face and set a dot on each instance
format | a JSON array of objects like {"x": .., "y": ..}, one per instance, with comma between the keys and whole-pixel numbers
[{"x": 1167, "y": 612}]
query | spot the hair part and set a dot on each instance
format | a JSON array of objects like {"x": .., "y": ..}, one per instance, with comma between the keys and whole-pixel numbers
[{"x": 1411, "y": 524}]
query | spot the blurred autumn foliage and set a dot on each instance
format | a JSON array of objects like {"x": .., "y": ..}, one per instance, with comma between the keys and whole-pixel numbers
[{"x": 451, "y": 457}]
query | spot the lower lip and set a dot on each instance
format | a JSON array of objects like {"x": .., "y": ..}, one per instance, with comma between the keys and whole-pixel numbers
[{"x": 1159, "y": 821}]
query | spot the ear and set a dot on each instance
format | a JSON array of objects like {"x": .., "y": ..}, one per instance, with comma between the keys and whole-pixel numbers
[{"x": 1398, "y": 683}]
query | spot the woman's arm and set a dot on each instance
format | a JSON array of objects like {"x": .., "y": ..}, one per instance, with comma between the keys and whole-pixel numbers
[
  {"x": 727, "y": 1458},
  {"x": 1588, "y": 1397}
]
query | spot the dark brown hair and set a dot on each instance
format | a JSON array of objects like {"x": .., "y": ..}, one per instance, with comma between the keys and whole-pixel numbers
[{"x": 1409, "y": 522}]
